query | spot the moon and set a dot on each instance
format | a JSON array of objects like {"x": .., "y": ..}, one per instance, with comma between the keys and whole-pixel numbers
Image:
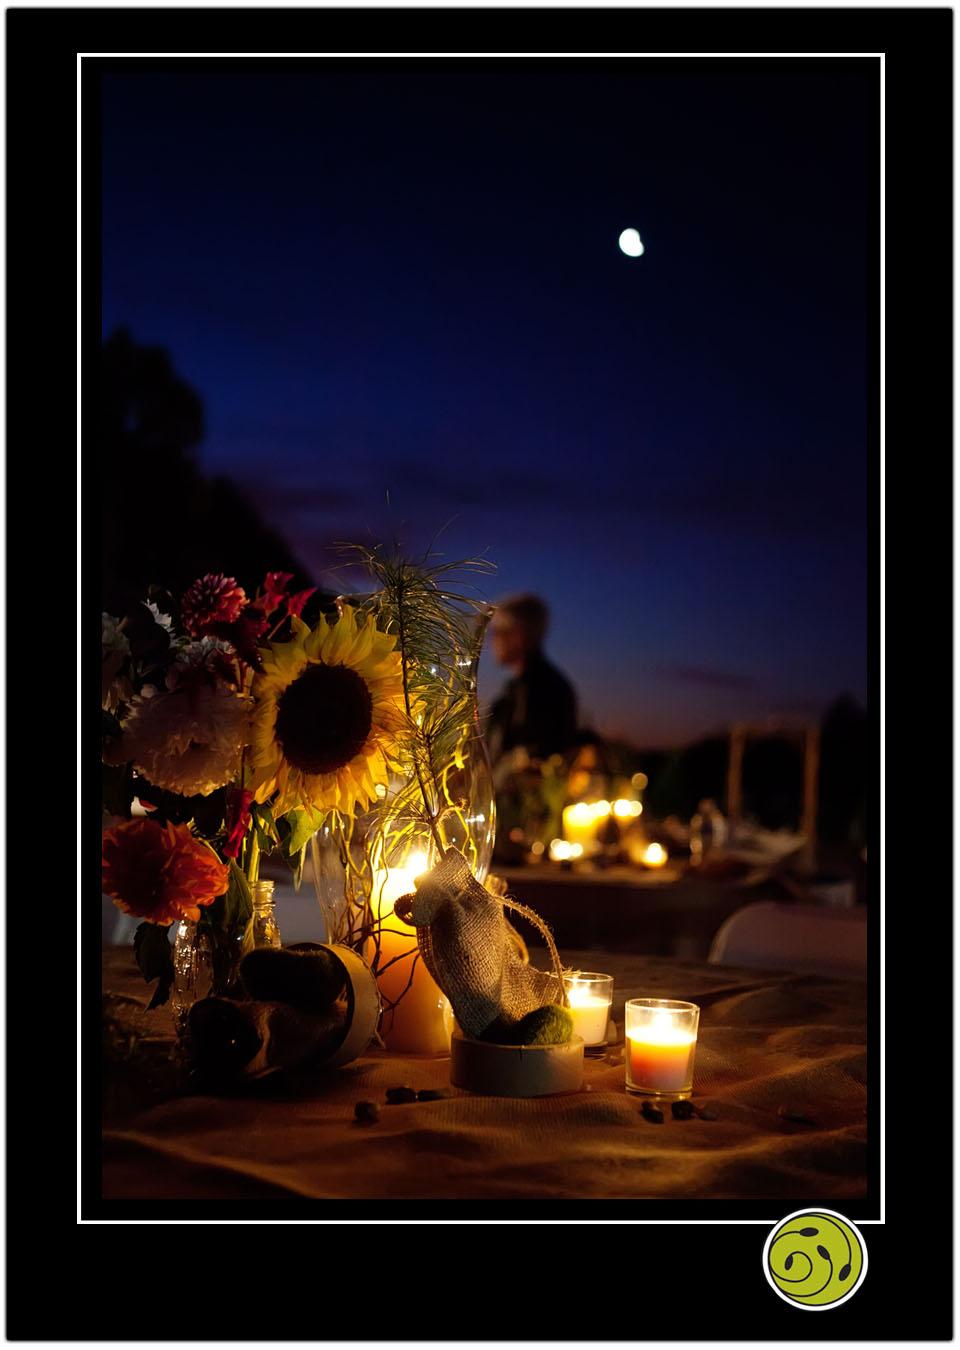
[{"x": 631, "y": 243}]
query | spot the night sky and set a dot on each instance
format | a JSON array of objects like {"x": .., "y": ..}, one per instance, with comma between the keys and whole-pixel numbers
[{"x": 401, "y": 298}]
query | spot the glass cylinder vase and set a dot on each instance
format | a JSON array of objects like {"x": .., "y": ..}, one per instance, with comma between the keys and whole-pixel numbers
[{"x": 363, "y": 865}]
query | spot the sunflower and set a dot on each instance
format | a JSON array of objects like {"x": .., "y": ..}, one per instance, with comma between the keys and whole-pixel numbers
[{"x": 329, "y": 705}]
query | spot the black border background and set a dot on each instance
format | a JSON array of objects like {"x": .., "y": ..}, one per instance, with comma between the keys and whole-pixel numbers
[{"x": 141, "y": 1288}]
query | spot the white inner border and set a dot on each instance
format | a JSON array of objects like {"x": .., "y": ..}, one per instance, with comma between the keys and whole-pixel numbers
[{"x": 440, "y": 56}]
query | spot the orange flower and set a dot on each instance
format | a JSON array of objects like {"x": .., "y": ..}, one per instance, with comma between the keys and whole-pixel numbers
[{"x": 161, "y": 873}]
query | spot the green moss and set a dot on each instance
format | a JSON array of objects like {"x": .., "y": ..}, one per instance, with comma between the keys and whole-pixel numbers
[{"x": 551, "y": 1025}]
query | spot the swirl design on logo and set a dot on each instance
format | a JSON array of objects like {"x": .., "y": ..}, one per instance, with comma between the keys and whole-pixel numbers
[{"x": 815, "y": 1259}]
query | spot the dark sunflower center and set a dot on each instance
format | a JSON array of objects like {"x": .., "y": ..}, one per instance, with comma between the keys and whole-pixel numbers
[{"x": 323, "y": 718}]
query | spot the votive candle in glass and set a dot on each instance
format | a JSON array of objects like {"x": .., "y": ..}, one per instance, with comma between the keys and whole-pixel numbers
[
  {"x": 589, "y": 997},
  {"x": 661, "y": 1041}
]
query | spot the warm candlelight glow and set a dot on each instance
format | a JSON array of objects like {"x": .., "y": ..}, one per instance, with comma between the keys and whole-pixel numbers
[
  {"x": 581, "y": 821},
  {"x": 418, "y": 1024},
  {"x": 654, "y": 855},
  {"x": 561, "y": 851},
  {"x": 662, "y": 1031},
  {"x": 589, "y": 997},
  {"x": 661, "y": 1041},
  {"x": 624, "y": 809}
]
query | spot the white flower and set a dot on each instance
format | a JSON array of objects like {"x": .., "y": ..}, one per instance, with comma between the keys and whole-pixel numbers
[
  {"x": 186, "y": 740},
  {"x": 164, "y": 620},
  {"x": 114, "y": 640},
  {"x": 206, "y": 658}
]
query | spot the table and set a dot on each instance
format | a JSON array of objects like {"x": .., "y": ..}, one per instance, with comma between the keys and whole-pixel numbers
[
  {"x": 668, "y": 912},
  {"x": 767, "y": 1041}
]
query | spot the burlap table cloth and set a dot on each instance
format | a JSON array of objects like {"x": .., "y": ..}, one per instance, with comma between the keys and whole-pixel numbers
[{"x": 767, "y": 1041}]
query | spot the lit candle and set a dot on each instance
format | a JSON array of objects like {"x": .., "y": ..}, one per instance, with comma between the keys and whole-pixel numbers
[
  {"x": 661, "y": 1041},
  {"x": 581, "y": 822},
  {"x": 561, "y": 851},
  {"x": 654, "y": 855},
  {"x": 420, "y": 1023},
  {"x": 589, "y": 997}
]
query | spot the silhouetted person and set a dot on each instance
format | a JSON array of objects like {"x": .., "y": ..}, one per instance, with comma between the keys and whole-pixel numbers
[{"x": 538, "y": 707}]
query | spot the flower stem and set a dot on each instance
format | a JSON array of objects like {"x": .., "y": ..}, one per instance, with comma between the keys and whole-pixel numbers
[{"x": 253, "y": 855}]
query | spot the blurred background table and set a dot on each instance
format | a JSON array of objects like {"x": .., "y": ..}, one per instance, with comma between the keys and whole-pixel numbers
[{"x": 669, "y": 912}]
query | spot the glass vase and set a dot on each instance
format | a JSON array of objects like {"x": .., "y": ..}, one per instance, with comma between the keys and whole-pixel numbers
[
  {"x": 266, "y": 932},
  {"x": 363, "y": 865},
  {"x": 201, "y": 969},
  {"x": 193, "y": 971}
]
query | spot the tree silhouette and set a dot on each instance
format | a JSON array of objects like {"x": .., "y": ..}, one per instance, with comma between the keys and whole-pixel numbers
[{"x": 164, "y": 521}]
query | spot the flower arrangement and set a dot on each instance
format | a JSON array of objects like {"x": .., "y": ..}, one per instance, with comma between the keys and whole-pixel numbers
[
  {"x": 240, "y": 728},
  {"x": 177, "y": 698}
]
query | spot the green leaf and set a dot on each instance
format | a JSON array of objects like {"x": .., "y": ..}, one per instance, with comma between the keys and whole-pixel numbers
[
  {"x": 230, "y": 913},
  {"x": 298, "y": 867},
  {"x": 266, "y": 827},
  {"x": 229, "y": 921},
  {"x": 303, "y": 826},
  {"x": 151, "y": 946},
  {"x": 247, "y": 943},
  {"x": 239, "y": 900}
]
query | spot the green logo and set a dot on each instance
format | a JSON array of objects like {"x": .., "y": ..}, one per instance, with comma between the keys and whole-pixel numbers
[{"x": 815, "y": 1259}]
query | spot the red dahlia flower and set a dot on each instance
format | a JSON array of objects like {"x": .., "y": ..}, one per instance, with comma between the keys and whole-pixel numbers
[
  {"x": 213, "y": 599},
  {"x": 160, "y": 873},
  {"x": 238, "y": 818}
]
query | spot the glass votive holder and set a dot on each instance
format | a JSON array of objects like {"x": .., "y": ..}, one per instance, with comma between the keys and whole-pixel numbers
[
  {"x": 660, "y": 1044},
  {"x": 589, "y": 998}
]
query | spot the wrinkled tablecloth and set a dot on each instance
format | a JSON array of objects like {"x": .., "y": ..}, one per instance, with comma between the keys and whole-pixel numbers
[{"x": 769, "y": 1043}]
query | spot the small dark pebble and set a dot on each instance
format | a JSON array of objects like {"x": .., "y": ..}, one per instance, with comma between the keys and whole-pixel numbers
[
  {"x": 396, "y": 1096},
  {"x": 366, "y": 1113},
  {"x": 797, "y": 1117},
  {"x": 682, "y": 1110},
  {"x": 433, "y": 1094},
  {"x": 652, "y": 1113},
  {"x": 708, "y": 1113}
]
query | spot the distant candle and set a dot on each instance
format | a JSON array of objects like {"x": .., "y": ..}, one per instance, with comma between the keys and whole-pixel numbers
[
  {"x": 582, "y": 820},
  {"x": 654, "y": 855}
]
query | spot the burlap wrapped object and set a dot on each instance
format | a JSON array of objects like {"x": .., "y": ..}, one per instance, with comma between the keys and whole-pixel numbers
[{"x": 466, "y": 944}]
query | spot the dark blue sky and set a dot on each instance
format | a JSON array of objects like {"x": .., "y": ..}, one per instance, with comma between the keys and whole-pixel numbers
[{"x": 409, "y": 285}]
